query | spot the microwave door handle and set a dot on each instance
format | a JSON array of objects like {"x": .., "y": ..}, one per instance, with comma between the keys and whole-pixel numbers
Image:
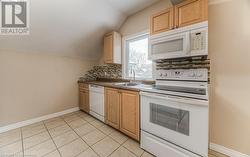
[{"x": 169, "y": 38}]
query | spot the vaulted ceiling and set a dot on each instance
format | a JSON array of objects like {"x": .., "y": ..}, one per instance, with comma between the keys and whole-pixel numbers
[{"x": 71, "y": 27}]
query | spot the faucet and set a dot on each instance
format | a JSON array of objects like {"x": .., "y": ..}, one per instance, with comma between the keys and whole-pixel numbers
[{"x": 133, "y": 72}]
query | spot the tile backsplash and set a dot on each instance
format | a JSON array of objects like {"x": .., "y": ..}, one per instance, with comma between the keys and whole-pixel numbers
[
  {"x": 114, "y": 71},
  {"x": 110, "y": 71},
  {"x": 184, "y": 63}
]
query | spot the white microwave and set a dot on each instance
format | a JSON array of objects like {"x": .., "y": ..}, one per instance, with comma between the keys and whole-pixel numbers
[{"x": 183, "y": 42}]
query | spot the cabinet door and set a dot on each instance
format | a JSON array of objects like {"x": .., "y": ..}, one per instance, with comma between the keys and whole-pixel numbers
[
  {"x": 112, "y": 107},
  {"x": 108, "y": 48},
  {"x": 162, "y": 21},
  {"x": 130, "y": 116},
  {"x": 84, "y": 100},
  {"x": 191, "y": 12}
]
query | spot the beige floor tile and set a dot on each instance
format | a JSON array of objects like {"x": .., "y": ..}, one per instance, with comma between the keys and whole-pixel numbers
[
  {"x": 105, "y": 147},
  {"x": 11, "y": 149},
  {"x": 83, "y": 130},
  {"x": 88, "y": 153},
  {"x": 133, "y": 146},
  {"x": 32, "y": 126},
  {"x": 97, "y": 123},
  {"x": 93, "y": 137},
  {"x": 53, "y": 119},
  {"x": 77, "y": 112},
  {"x": 106, "y": 129},
  {"x": 55, "y": 123},
  {"x": 10, "y": 137},
  {"x": 70, "y": 114},
  {"x": 122, "y": 152},
  {"x": 146, "y": 154},
  {"x": 82, "y": 114},
  {"x": 59, "y": 130},
  {"x": 41, "y": 149},
  {"x": 33, "y": 131},
  {"x": 89, "y": 118},
  {"x": 118, "y": 137},
  {"x": 36, "y": 139},
  {"x": 71, "y": 118},
  {"x": 77, "y": 123},
  {"x": 65, "y": 138},
  {"x": 74, "y": 148},
  {"x": 53, "y": 154}
]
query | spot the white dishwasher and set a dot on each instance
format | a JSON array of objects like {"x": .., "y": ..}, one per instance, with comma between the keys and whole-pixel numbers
[{"x": 96, "y": 100}]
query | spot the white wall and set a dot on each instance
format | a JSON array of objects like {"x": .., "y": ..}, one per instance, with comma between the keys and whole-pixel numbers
[
  {"x": 33, "y": 85},
  {"x": 141, "y": 21},
  {"x": 229, "y": 48}
]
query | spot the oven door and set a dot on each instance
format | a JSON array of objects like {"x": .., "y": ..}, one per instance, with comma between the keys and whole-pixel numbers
[
  {"x": 181, "y": 121},
  {"x": 169, "y": 46}
]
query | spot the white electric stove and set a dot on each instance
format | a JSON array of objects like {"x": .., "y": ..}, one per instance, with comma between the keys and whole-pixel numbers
[{"x": 174, "y": 114}]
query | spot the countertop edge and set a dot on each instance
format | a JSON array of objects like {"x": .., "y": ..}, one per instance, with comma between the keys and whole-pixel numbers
[{"x": 111, "y": 85}]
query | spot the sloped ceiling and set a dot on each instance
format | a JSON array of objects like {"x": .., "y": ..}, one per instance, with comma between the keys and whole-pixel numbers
[{"x": 71, "y": 27}]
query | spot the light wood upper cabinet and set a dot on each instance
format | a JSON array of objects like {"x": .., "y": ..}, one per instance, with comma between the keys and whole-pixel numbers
[
  {"x": 162, "y": 21},
  {"x": 112, "y": 107},
  {"x": 84, "y": 97},
  {"x": 190, "y": 12},
  {"x": 186, "y": 13},
  {"x": 112, "y": 48},
  {"x": 130, "y": 114}
]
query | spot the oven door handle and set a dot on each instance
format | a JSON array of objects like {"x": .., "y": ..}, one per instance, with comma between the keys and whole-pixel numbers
[{"x": 176, "y": 99}]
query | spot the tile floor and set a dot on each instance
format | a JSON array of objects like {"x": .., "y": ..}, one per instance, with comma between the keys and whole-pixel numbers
[{"x": 72, "y": 135}]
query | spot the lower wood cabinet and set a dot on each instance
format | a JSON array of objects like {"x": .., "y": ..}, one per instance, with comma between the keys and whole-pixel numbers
[
  {"x": 130, "y": 114},
  {"x": 122, "y": 111},
  {"x": 112, "y": 107},
  {"x": 84, "y": 97}
]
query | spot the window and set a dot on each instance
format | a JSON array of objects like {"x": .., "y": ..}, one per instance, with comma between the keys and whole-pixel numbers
[{"x": 136, "y": 58}]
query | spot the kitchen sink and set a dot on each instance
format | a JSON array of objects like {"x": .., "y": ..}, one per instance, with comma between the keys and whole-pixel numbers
[{"x": 126, "y": 84}]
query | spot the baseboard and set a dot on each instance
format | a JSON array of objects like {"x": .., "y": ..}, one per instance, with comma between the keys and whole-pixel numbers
[
  {"x": 35, "y": 120},
  {"x": 226, "y": 151}
]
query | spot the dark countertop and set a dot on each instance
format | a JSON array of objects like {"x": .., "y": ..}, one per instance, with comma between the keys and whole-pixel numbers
[{"x": 115, "y": 84}]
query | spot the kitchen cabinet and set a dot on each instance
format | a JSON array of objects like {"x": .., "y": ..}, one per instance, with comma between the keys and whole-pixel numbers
[
  {"x": 112, "y": 48},
  {"x": 190, "y": 12},
  {"x": 183, "y": 14},
  {"x": 162, "y": 21},
  {"x": 122, "y": 111},
  {"x": 130, "y": 114},
  {"x": 112, "y": 107},
  {"x": 84, "y": 97}
]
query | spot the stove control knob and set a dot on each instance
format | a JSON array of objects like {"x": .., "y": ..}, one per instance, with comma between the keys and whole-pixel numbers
[
  {"x": 161, "y": 74},
  {"x": 199, "y": 75},
  {"x": 192, "y": 74}
]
